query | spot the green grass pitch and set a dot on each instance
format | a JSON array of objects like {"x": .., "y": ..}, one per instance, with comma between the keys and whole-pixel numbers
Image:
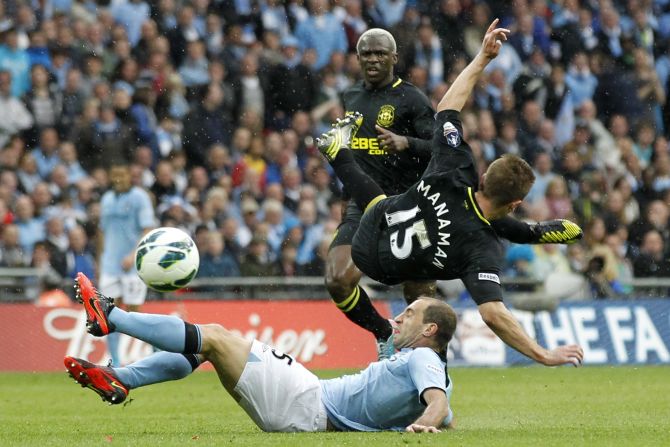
[{"x": 532, "y": 406}]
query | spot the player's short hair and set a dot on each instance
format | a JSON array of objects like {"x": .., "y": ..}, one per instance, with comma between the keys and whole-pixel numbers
[
  {"x": 508, "y": 179},
  {"x": 377, "y": 32},
  {"x": 444, "y": 317}
]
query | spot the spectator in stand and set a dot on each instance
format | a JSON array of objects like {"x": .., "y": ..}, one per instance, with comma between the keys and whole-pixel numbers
[
  {"x": 649, "y": 90},
  {"x": 50, "y": 280},
  {"x": 525, "y": 39},
  {"x": 106, "y": 141},
  {"x": 234, "y": 237},
  {"x": 131, "y": 14},
  {"x": 610, "y": 37},
  {"x": 57, "y": 242},
  {"x": 321, "y": 32},
  {"x": 317, "y": 266},
  {"x": 644, "y": 140},
  {"x": 428, "y": 54},
  {"x": 542, "y": 168},
  {"x": 164, "y": 184},
  {"x": 44, "y": 101},
  {"x": 27, "y": 174},
  {"x": 12, "y": 254},
  {"x": 655, "y": 218},
  {"x": 287, "y": 258},
  {"x": 257, "y": 261},
  {"x": 67, "y": 153},
  {"x": 46, "y": 154},
  {"x": 31, "y": 229},
  {"x": 194, "y": 69},
  {"x": 16, "y": 61},
  {"x": 292, "y": 85},
  {"x": 273, "y": 216},
  {"x": 556, "y": 204},
  {"x": 14, "y": 117},
  {"x": 652, "y": 260},
  {"x": 215, "y": 262},
  {"x": 79, "y": 256},
  {"x": 206, "y": 125},
  {"x": 580, "y": 81},
  {"x": 311, "y": 229}
]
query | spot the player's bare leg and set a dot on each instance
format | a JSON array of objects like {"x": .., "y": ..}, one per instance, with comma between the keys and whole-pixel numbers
[
  {"x": 342, "y": 275},
  {"x": 227, "y": 352}
]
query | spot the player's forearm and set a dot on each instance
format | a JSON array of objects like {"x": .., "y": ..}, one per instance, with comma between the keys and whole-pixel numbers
[
  {"x": 465, "y": 82},
  {"x": 434, "y": 415},
  {"x": 502, "y": 322}
]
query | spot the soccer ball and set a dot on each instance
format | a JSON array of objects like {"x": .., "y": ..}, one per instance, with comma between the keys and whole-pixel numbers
[{"x": 167, "y": 259}]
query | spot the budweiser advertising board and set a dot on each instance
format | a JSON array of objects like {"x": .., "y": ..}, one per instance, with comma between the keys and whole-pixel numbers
[{"x": 314, "y": 332}]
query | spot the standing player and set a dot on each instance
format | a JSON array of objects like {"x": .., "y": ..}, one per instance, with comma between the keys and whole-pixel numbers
[
  {"x": 126, "y": 215},
  {"x": 441, "y": 227},
  {"x": 408, "y": 392},
  {"x": 393, "y": 146}
]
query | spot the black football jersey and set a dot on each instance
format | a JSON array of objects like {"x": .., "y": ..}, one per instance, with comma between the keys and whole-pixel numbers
[
  {"x": 435, "y": 230},
  {"x": 404, "y": 110}
]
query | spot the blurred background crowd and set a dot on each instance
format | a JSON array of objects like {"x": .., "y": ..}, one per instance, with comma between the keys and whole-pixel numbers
[{"x": 216, "y": 103}]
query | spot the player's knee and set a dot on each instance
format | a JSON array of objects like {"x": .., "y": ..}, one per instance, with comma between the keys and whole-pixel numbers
[{"x": 214, "y": 337}]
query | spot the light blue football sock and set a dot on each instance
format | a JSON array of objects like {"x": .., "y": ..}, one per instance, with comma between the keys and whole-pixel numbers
[
  {"x": 166, "y": 332},
  {"x": 113, "y": 348},
  {"x": 158, "y": 367}
]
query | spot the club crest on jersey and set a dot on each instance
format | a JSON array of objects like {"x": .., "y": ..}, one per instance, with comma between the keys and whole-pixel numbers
[
  {"x": 451, "y": 134},
  {"x": 386, "y": 115}
]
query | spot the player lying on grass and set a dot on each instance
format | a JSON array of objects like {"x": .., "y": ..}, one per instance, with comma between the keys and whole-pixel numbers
[
  {"x": 409, "y": 391},
  {"x": 440, "y": 228}
]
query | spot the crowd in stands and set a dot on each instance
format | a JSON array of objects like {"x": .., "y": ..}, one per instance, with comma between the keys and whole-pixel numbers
[{"x": 215, "y": 105}]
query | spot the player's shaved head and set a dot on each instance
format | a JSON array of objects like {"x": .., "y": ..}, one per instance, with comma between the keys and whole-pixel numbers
[{"x": 380, "y": 34}]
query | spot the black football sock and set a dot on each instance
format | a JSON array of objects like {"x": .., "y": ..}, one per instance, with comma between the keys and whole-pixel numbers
[
  {"x": 359, "y": 310},
  {"x": 361, "y": 186}
]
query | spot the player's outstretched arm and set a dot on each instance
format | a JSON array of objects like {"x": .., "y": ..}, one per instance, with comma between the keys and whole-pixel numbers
[
  {"x": 460, "y": 90},
  {"x": 502, "y": 322},
  {"x": 557, "y": 231},
  {"x": 437, "y": 409}
]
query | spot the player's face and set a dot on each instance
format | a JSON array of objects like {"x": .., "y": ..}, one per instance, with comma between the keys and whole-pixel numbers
[
  {"x": 119, "y": 176},
  {"x": 409, "y": 329},
  {"x": 376, "y": 57}
]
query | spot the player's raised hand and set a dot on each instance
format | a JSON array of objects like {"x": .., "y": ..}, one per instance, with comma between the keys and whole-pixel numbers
[
  {"x": 389, "y": 141},
  {"x": 417, "y": 428},
  {"x": 563, "y": 355},
  {"x": 493, "y": 40}
]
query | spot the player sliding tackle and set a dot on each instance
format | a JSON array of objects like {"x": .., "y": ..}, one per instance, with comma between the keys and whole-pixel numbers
[
  {"x": 408, "y": 392},
  {"x": 440, "y": 228}
]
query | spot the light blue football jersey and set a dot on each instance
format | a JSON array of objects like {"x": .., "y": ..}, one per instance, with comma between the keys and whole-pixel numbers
[
  {"x": 387, "y": 394},
  {"x": 123, "y": 219}
]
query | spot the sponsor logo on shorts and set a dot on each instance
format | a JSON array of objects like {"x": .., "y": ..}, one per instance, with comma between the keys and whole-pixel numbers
[{"x": 489, "y": 277}]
